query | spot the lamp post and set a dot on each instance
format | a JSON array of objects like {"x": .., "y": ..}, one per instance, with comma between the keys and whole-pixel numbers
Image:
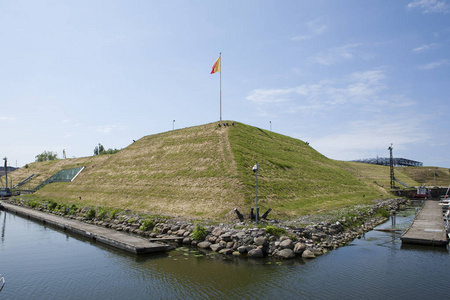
[
  {"x": 6, "y": 172},
  {"x": 255, "y": 170}
]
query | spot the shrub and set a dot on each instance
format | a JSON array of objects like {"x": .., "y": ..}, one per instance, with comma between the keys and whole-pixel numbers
[
  {"x": 34, "y": 204},
  {"x": 383, "y": 213},
  {"x": 113, "y": 214},
  {"x": 72, "y": 209},
  {"x": 102, "y": 214},
  {"x": 62, "y": 208},
  {"x": 199, "y": 233},
  {"x": 147, "y": 225},
  {"x": 272, "y": 230},
  {"x": 52, "y": 205},
  {"x": 91, "y": 214}
]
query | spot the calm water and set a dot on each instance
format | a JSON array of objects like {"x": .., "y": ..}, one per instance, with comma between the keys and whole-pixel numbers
[{"x": 39, "y": 262}]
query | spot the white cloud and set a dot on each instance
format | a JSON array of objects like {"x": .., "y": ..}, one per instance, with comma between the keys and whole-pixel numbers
[
  {"x": 261, "y": 96},
  {"x": 315, "y": 27},
  {"x": 430, "y": 6},
  {"x": 434, "y": 64},
  {"x": 424, "y": 48},
  {"x": 108, "y": 128},
  {"x": 363, "y": 88},
  {"x": 7, "y": 119},
  {"x": 363, "y": 138},
  {"x": 336, "y": 54}
]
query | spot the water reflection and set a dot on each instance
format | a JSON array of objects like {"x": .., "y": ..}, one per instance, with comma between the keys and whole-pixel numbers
[
  {"x": 3, "y": 226},
  {"x": 43, "y": 263}
]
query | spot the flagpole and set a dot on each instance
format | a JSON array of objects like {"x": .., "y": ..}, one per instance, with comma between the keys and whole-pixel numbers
[{"x": 220, "y": 59}]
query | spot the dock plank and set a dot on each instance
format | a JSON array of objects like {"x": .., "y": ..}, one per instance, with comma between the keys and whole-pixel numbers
[
  {"x": 428, "y": 227},
  {"x": 120, "y": 240}
]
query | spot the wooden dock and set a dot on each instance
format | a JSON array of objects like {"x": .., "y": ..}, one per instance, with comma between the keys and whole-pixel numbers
[
  {"x": 428, "y": 227},
  {"x": 120, "y": 240}
]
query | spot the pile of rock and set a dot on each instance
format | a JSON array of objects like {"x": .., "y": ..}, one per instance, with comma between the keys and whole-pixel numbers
[
  {"x": 308, "y": 242},
  {"x": 241, "y": 239}
]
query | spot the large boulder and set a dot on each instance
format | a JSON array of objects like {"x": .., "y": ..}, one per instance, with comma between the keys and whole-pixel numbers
[
  {"x": 285, "y": 254},
  {"x": 217, "y": 231},
  {"x": 226, "y": 237},
  {"x": 256, "y": 253},
  {"x": 260, "y": 241},
  {"x": 240, "y": 235},
  {"x": 216, "y": 247},
  {"x": 287, "y": 244},
  {"x": 204, "y": 245},
  {"x": 299, "y": 248},
  {"x": 308, "y": 254},
  {"x": 226, "y": 251},
  {"x": 242, "y": 249}
]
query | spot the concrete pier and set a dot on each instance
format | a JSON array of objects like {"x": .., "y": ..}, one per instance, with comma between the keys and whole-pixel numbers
[
  {"x": 428, "y": 227},
  {"x": 130, "y": 243}
]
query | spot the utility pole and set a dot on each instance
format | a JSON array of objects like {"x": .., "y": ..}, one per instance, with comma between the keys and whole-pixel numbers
[
  {"x": 6, "y": 171},
  {"x": 391, "y": 164}
]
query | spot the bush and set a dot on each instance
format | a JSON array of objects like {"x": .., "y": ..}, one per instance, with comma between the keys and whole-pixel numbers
[
  {"x": 113, "y": 214},
  {"x": 72, "y": 209},
  {"x": 34, "y": 204},
  {"x": 91, "y": 214},
  {"x": 383, "y": 213},
  {"x": 102, "y": 214},
  {"x": 62, "y": 208},
  {"x": 147, "y": 225},
  {"x": 272, "y": 230},
  {"x": 52, "y": 205},
  {"x": 199, "y": 233}
]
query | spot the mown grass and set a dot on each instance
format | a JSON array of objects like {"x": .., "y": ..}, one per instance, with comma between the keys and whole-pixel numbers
[
  {"x": 206, "y": 171},
  {"x": 294, "y": 178}
]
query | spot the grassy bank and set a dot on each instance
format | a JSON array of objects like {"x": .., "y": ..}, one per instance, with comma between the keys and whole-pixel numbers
[{"x": 204, "y": 172}]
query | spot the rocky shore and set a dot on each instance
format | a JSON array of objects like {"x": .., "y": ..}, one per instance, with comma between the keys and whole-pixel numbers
[{"x": 306, "y": 237}]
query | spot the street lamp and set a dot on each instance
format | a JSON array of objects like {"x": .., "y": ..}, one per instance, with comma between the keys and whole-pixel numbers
[
  {"x": 255, "y": 170},
  {"x": 6, "y": 171}
]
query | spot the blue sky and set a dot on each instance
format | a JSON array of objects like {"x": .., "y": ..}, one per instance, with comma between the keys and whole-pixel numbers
[{"x": 349, "y": 77}]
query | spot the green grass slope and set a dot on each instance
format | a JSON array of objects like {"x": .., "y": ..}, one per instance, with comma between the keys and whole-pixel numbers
[
  {"x": 206, "y": 171},
  {"x": 186, "y": 172},
  {"x": 294, "y": 179}
]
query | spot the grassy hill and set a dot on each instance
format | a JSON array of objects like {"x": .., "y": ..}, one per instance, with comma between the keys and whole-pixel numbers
[{"x": 206, "y": 171}]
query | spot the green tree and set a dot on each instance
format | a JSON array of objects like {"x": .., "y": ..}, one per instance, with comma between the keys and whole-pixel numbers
[
  {"x": 46, "y": 155},
  {"x": 99, "y": 150}
]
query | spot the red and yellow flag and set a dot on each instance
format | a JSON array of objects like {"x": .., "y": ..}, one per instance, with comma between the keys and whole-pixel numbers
[{"x": 216, "y": 66}]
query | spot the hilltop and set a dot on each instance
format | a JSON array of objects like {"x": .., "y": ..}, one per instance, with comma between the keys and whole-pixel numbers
[{"x": 206, "y": 171}]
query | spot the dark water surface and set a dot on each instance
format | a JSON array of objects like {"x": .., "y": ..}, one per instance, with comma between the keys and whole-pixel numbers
[{"x": 39, "y": 262}]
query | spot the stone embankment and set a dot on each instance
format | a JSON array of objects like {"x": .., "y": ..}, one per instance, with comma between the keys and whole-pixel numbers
[{"x": 285, "y": 240}]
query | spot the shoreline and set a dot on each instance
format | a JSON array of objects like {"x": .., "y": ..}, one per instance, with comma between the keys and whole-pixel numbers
[{"x": 279, "y": 239}]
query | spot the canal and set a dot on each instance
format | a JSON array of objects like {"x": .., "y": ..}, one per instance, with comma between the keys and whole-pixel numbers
[{"x": 39, "y": 262}]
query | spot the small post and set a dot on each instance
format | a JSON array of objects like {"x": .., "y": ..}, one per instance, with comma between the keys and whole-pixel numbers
[
  {"x": 173, "y": 125},
  {"x": 239, "y": 215},
  {"x": 255, "y": 169},
  {"x": 264, "y": 215}
]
